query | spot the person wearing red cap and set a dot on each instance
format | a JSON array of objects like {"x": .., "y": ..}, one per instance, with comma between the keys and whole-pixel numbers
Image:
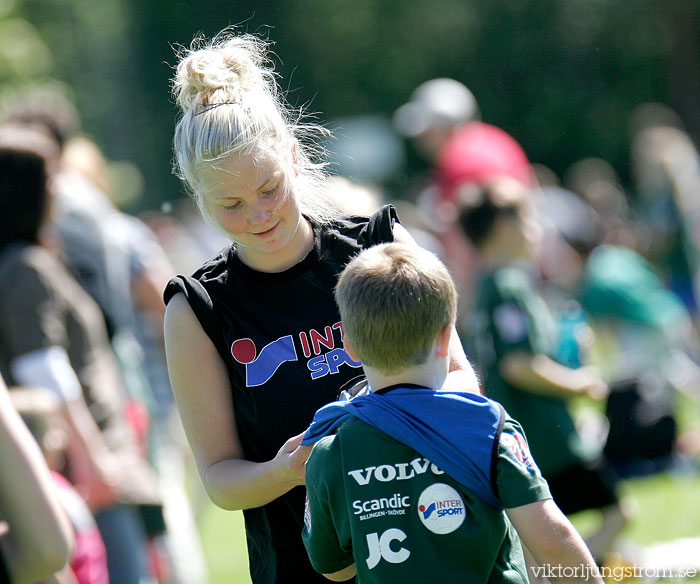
[
  {"x": 442, "y": 120},
  {"x": 476, "y": 153},
  {"x": 435, "y": 109}
]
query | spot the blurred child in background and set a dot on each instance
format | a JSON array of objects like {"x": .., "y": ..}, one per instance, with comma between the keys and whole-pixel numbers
[{"x": 515, "y": 339}]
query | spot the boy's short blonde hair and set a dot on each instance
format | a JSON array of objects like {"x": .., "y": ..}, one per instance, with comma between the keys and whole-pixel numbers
[{"x": 393, "y": 301}]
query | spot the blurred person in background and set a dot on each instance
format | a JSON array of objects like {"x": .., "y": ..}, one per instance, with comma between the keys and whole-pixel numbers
[
  {"x": 442, "y": 120},
  {"x": 598, "y": 184},
  {"x": 40, "y": 409},
  {"x": 590, "y": 182},
  {"x": 645, "y": 342},
  {"x": 254, "y": 338},
  {"x": 183, "y": 235},
  {"x": 36, "y": 537},
  {"x": 666, "y": 181},
  {"x": 111, "y": 254},
  {"x": 53, "y": 335},
  {"x": 435, "y": 110},
  {"x": 146, "y": 269},
  {"x": 118, "y": 260},
  {"x": 515, "y": 340}
]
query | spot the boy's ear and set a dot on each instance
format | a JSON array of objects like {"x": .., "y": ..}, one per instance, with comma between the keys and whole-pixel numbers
[
  {"x": 349, "y": 350},
  {"x": 442, "y": 344}
]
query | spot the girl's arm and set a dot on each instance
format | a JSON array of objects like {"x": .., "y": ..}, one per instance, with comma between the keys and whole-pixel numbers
[{"x": 203, "y": 395}]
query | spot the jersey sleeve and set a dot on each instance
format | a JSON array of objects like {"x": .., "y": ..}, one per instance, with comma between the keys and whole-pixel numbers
[
  {"x": 519, "y": 479},
  {"x": 324, "y": 509}
]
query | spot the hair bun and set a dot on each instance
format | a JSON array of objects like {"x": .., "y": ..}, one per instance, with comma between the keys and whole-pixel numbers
[{"x": 223, "y": 71}]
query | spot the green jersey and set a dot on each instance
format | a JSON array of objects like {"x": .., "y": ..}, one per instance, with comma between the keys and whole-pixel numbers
[
  {"x": 378, "y": 503},
  {"x": 510, "y": 316}
]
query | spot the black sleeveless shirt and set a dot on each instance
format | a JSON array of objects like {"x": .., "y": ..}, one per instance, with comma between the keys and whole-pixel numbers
[{"x": 280, "y": 337}]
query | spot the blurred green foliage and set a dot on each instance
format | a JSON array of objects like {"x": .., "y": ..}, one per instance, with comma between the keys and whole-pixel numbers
[{"x": 562, "y": 76}]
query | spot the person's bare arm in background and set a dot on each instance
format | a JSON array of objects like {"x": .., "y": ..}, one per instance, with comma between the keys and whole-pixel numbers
[{"x": 38, "y": 539}]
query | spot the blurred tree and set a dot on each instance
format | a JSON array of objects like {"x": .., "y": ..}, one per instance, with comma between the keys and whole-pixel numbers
[
  {"x": 84, "y": 53},
  {"x": 23, "y": 53},
  {"x": 681, "y": 18},
  {"x": 561, "y": 76}
]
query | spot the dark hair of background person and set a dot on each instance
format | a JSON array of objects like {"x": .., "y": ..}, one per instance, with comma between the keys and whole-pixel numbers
[
  {"x": 477, "y": 219},
  {"x": 25, "y": 156}
]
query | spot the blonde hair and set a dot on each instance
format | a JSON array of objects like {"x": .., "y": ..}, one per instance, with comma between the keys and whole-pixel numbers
[
  {"x": 393, "y": 301},
  {"x": 231, "y": 104}
]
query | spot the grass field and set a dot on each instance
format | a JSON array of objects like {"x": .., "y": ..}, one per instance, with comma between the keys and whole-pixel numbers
[
  {"x": 668, "y": 508},
  {"x": 224, "y": 544}
]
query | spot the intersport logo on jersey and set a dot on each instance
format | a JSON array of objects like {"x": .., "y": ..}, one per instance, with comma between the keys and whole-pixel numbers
[
  {"x": 322, "y": 349},
  {"x": 441, "y": 508}
]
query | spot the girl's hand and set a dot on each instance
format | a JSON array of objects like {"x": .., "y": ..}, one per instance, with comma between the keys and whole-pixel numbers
[{"x": 292, "y": 458}]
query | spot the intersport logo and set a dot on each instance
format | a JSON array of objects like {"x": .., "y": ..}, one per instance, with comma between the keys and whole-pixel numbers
[{"x": 322, "y": 350}]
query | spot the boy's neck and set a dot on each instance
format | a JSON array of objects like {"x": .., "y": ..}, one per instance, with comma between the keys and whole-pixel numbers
[{"x": 431, "y": 375}]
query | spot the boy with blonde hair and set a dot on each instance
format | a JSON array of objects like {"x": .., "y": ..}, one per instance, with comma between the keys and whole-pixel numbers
[{"x": 407, "y": 481}]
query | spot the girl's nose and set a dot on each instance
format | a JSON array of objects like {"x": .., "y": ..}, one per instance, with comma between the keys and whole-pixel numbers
[{"x": 262, "y": 210}]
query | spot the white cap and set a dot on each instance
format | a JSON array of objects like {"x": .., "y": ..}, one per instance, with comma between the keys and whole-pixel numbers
[{"x": 439, "y": 101}]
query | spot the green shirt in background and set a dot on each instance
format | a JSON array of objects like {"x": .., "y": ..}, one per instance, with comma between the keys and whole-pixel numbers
[
  {"x": 376, "y": 502},
  {"x": 620, "y": 284},
  {"x": 509, "y": 316}
]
